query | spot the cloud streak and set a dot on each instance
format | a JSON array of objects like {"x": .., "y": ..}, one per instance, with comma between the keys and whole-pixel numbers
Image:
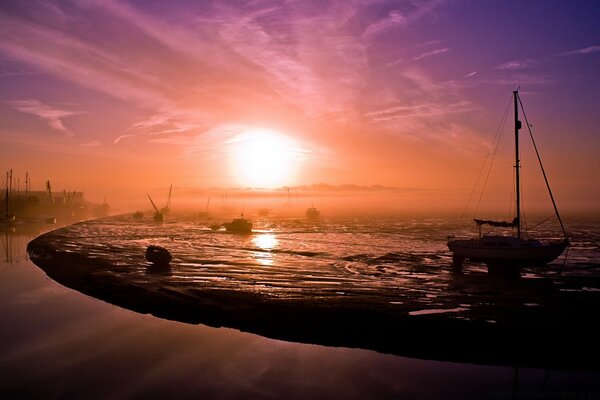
[
  {"x": 53, "y": 116},
  {"x": 516, "y": 64},
  {"x": 431, "y": 53},
  {"x": 583, "y": 51}
]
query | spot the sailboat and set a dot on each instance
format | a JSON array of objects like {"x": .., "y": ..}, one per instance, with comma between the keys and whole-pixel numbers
[
  {"x": 204, "y": 214},
  {"x": 508, "y": 253},
  {"x": 239, "y": 225},
  {"x": 166, "y": 209},
  {"x": 312, "y": 213},
  {"x": 7, "y": 218},
  {"x": 158, "y": 216}
]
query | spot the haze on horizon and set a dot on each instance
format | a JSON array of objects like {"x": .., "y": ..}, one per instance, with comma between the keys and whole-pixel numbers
[{"x": 121, "y": 98}]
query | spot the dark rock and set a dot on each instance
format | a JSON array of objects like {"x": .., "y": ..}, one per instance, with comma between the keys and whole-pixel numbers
[{"x": 158, "y": 255}]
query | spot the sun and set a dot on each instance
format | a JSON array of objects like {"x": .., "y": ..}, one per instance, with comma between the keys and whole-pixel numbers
[{"x": 263, "y": 159}]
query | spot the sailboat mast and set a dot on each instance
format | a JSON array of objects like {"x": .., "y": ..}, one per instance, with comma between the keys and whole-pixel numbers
[
  {"x": 517, "y": 163},
  {"x": 6, "y": 197}
]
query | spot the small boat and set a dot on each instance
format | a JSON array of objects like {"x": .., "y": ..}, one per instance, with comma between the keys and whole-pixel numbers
[
  {"x": 138, "y": 215},
  {"x": 204, "y": 214},
  {"x": 167, "y": 209},
  {"x": 7, "y": 219},
  {"x": 312, "y": 213},
  {"x": 239, "y": 225},
  {"x": 51, "y": 220},
  {"x": 158, "y": 255},
  {"x": 158, "y": 216},
  {"x": 508, "y": 253}
]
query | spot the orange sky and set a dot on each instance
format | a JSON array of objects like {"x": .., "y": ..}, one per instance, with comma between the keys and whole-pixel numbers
[{"x": 123, "y": 98}]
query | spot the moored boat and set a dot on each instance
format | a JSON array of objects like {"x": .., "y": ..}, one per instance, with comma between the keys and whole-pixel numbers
[
  {"x": 508, "y": 253},
  {"x": 239, "y": 225}
]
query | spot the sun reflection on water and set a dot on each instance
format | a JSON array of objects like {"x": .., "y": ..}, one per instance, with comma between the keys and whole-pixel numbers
[{"x": 265, "y": 242}]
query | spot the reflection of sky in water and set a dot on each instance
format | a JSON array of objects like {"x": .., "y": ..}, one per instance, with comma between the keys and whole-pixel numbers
[
  {"x": 265, "y": 241},
  {"x": 58, "y": 343}
]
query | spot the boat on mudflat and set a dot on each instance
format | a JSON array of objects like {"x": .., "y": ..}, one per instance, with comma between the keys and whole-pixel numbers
[
  {"x": 239, "y": 225},
  {"x": 312, "y": 213},
  {"x": 508, "y": 253}
]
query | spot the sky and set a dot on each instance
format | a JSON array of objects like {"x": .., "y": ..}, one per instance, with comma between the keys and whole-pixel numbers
[{"x": 120, "y": 98}]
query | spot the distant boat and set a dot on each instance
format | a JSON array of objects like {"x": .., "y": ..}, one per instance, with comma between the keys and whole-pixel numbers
[
  {"x": 239, "y": 225},
  {"x": 7, "y": 218},
  {"x": 507, "y": 253},
  {"x": 138, "y": 215},
  {"x": 312, "y": 213},
  {"x": 158, "y": 216},
  {"x": 204, "y": 214},
  {"x": 167, "y": 209}
]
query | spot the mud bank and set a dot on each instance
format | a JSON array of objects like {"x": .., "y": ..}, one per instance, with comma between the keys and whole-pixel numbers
[{"x": 399, "y": 303}]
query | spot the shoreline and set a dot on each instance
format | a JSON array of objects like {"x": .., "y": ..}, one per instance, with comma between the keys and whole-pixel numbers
[{"x": 557, "y": 333}]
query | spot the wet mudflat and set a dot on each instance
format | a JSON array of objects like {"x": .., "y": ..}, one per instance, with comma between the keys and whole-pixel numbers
[{"x": 381, "y": 284}]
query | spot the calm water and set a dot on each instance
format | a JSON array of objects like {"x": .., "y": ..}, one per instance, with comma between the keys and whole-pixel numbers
[{"x": 58, "y": 343}]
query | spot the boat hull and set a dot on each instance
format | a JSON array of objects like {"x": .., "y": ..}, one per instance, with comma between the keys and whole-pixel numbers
[
  {"x": 518, "y": 253},
  {"x": 239, "y": 225}
]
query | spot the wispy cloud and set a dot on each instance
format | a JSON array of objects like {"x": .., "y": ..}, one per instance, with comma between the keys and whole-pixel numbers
[
  {"x": 583, "y": 51},
  {"x": 429, "y": 109},
  {"x": 393, "y": 18},
  {"x": 216, "y": 64},
  {"x": 410, "y": 12},
  {"x": 516, "y": 64},
  {"x": 394, "y": 63},
  {"x": 470, "y": 74},
  {"x": 431, "y": 53},
  {"x": 121, "y": 137},
  {"x": 53, "y": 116}
]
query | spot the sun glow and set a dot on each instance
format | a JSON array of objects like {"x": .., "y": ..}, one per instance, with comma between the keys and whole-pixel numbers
[{"x": 264, "y": 159}]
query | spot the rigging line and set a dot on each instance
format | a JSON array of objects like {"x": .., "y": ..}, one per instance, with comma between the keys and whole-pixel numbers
[
  {"x": 564, "y": 261},
  {"x": 499, "y": 130},
  {"x": 523, "y": 208},
  {"x": 540, "y": 223},
  {"x": 499, "y": 135},
  {"x": 562, "y": 226}
]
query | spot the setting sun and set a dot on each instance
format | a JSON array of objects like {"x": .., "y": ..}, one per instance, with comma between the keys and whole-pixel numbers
[{"x": 262, "y": 158}]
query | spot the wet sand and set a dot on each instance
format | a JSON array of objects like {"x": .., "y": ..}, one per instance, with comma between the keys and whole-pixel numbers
[{"x": 396, "y": 302}]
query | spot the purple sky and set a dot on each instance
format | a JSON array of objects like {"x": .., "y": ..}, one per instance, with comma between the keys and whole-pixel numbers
[{"x": 399, "y": 93}]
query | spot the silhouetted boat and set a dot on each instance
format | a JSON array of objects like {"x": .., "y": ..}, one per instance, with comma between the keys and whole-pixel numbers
[
  {"x": 158, "y": 255},
  {"x": 239, "y": 225},
  {"x": 167, "y": 209},
  {"x": 7, "y": 218},
  {"x": 312, "y": 213},
  {"x": 138, "y": 215},
  {"x": 204, "y": 214},
  {"x": 158, "y": 216},
  {"x": 504, "y": 253}
]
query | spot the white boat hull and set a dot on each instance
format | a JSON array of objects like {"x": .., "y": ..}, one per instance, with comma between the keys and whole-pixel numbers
[{"x": 500, "y": 250}]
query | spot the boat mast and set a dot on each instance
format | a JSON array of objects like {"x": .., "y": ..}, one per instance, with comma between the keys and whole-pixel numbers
[
  {"x": 6, "y": 197},
  {"x": 517, "y": 163}
]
